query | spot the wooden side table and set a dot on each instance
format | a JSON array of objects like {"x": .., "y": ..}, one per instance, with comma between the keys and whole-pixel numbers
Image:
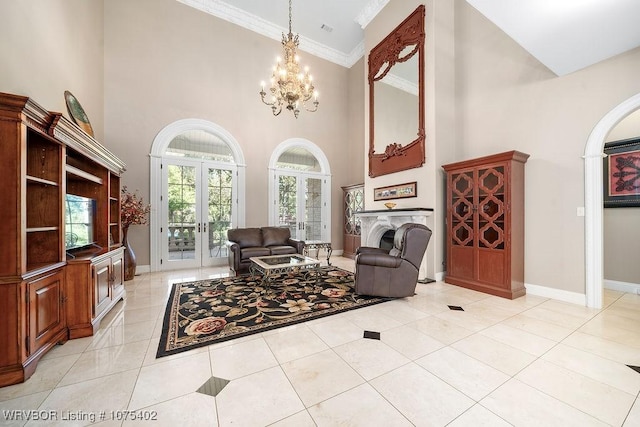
[{"x": 317, "y": 244}]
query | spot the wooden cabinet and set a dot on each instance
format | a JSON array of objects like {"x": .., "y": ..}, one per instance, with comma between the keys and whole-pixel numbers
[
  {"x": 485, "y": 224},
  {"x": 104, "y": 273},
  {"x": 44, "y": 159},
  {"x": 32, "y": 251},
  {"x": 353, "y": 196}
]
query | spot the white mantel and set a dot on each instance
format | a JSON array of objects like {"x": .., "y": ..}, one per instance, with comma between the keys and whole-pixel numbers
[{"x": 373, "y": 225}]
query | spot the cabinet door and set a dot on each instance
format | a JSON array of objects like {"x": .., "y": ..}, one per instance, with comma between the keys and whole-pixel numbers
[
  {"x": 117, "y": 274},
  {"x": 491, "y": 225},
  {"x": 461, "y": 224},
  {"x": 46, "y": 316},
  {"x": 101, "y": 286}
]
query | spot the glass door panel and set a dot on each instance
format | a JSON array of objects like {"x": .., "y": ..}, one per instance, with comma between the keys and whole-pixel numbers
[
  {"x": 182, "y": 239},
  {"x": 218, "y": 214},
  {"x": 313, "y": 209},
  {"x": 287, "y": 208}
]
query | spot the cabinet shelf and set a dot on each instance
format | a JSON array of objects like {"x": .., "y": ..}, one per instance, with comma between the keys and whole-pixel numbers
[
  {"x": 36, "y": 180},
  {"x": 40, "y": 229},
  {"x": 79, "y": 173}
]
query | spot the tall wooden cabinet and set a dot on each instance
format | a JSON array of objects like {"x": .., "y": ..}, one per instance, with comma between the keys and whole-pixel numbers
[
  {"x": 353, "y": 196},
  {"x": 36, "y": 174},
  {"x": 485, "y": 224}
]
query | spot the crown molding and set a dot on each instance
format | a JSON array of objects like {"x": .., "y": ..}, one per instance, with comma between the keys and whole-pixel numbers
[
  {"x": 266, "y": 28},
  {"x": 370, "y": 11}
]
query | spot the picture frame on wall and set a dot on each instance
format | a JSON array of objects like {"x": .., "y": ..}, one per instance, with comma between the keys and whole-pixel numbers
[
  {"x": 400, "y": 191},
  {"x": 621, "y": 174}
]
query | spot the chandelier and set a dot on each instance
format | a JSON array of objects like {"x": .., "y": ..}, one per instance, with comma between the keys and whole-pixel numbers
[{"x": 290, "y": 87}]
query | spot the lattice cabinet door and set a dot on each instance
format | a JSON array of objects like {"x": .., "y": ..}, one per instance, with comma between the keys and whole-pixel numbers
[
  {"x": 353, "y": 203},
  {"x": 462, "y": 236},
  {"x": 485, "y": 224}
]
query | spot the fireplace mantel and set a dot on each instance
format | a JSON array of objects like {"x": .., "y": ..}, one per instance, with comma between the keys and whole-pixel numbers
[
  {"x": 397, "y": 212},
  {"x": 374, "y": 223}
]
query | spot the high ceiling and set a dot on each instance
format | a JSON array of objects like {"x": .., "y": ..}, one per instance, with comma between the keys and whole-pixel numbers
[{"x": 564, "y": 35}]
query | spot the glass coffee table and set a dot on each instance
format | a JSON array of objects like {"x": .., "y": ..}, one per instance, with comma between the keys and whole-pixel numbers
[{"x": 273, "y": 265}]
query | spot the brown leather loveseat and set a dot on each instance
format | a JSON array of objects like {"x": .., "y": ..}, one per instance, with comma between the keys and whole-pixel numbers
[{"x": 244, "y": 243}]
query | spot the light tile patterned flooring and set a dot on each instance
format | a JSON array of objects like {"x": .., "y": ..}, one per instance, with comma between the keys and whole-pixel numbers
[{"x": 527, "y": 362}]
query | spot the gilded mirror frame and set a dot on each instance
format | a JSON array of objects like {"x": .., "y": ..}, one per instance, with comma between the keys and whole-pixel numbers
[{"x": 397, "y": 157}]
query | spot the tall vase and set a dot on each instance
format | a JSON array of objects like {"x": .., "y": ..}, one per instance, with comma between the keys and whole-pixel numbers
[{"x": 129, "y": 256}]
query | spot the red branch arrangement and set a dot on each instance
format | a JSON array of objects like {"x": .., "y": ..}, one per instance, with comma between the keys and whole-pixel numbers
[{"x": 133, "y": 209}]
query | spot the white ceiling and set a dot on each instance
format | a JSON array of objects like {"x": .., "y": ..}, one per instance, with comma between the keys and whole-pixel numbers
[
  {"x": 567, "y": 35},
  {"x": 564, "y": 35}
]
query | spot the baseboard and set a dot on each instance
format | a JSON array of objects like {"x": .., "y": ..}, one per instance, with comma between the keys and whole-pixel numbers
[
  {"x": 142, "y": 269},
  {"x": 557, "y": 294},
  {"x": 337, "y": 252},
  {"x": 632, "y": 288},
  {"x": 440, "y": 276}
]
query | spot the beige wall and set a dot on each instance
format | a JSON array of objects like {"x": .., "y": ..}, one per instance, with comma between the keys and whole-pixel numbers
[
  {"x": 166, "y": 61},
  {"x": 510, "y": 101},
  {"x": 356, "y": 127},
  {"x": 621, "y": 231},
  {"x": 51, "y": 46}
]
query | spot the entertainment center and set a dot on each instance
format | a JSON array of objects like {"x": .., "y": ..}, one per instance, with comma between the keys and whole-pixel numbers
[{"x": 62, "y": 255}]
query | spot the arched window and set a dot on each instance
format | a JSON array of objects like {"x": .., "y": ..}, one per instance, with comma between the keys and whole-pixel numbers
[
  {"x": 197, "y": 181},
  {"x": 300, "y": 190}
]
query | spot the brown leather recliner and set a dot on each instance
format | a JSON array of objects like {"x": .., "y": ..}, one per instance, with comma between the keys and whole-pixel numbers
[{"x": 392, "y": 273}]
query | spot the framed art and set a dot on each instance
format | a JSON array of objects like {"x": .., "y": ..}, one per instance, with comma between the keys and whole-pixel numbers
[
  {"x": 400, "y": 191},
  {"x": 621, "y": 173}
]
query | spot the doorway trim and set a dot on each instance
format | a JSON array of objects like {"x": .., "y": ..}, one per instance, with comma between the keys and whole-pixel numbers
[
  {"x": 594, "y": 237},
  {"x": 159, "y": 147}
]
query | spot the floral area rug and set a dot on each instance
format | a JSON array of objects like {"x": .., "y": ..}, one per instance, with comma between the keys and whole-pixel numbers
[{"x": 209, "y": 311}]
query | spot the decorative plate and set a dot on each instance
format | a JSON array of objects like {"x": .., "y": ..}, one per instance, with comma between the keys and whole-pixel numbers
[{"x": 77, "y": 113}]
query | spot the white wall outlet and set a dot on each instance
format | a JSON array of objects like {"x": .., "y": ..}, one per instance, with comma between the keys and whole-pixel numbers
[{"x": 580, "y": 211}]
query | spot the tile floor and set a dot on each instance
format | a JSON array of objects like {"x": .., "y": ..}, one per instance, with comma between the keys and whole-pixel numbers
[{"x": 527, "y": 362}]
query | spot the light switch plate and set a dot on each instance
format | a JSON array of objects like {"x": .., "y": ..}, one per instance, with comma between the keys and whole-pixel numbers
[{"x": 580, "y": 211}]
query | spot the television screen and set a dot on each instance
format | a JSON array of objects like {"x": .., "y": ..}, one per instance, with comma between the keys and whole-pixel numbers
[{"x": 79, "y": 214}]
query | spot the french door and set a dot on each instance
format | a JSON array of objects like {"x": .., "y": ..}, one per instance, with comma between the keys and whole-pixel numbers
[
  {"x": 301, "y": 205},
  {"x": 198, "y": 207}
]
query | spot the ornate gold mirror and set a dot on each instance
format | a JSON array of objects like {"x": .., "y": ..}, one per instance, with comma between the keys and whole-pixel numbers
[{"x": 396, "y": 99}]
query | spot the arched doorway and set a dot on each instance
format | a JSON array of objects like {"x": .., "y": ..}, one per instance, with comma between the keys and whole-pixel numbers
[
  {"x": 300, "y": 190},
  {"x": 593, "y": 155},
  {"x": 197, "y": 183}
]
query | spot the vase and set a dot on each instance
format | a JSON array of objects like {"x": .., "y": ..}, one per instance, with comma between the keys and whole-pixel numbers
[{"x": 129, "y": 256}]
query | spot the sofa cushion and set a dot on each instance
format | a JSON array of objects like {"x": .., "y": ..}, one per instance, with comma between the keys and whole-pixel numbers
[
  {"x": 282, "y": 250},
  {"x": 247, "y": 253},
  {"x": 275, "y": 236},
  {"x": 245, "y": 237}
]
